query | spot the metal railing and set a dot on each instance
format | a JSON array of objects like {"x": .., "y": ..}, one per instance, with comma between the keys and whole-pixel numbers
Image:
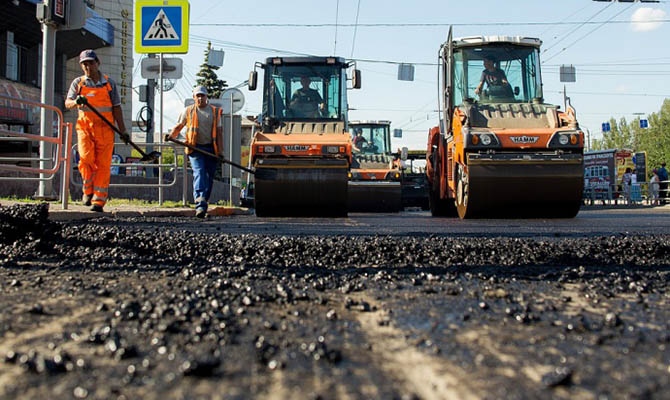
[
  {"x": 60, "y": 156},
  {"x": 636, "y": 193},
  {"x": 174, "y": 166}
]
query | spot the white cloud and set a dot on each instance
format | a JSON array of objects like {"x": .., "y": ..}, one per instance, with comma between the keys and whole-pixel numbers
[{"x": 642, "y": 16}]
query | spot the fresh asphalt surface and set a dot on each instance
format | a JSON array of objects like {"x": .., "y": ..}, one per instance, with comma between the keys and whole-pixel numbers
[
  {"x": 591, "y": 221},
  {"x": 389, "y": 306}
]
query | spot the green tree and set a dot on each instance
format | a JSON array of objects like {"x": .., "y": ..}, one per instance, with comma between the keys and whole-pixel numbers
[
  {"x": 619, "y": 137},
  {"x": 655, "y": 140},
  {"x": 208, "y": 78}
]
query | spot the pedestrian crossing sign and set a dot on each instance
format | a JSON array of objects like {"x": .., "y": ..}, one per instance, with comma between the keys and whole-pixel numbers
[{"x": 161, "y": 26}]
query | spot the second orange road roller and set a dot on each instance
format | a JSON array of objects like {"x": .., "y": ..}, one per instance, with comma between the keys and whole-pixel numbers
[
  {"x": 374, "y": 180},
  {"x": 304, "y": 138},
  {"x": 500, "y": 149}
]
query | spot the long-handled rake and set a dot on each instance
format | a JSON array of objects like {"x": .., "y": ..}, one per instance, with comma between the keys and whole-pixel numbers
[
  {"x": 267, "y": 174},
  {"x": 146, "y": 158}
]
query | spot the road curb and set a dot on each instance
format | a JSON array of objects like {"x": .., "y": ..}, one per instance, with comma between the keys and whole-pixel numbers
[{"x": 78, "y": 212}]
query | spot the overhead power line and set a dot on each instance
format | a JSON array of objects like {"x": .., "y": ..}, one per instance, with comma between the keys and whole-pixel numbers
[
  {"x": 419, "y": 25},
  {"x": 611, "y": 93},
  {"x": 337, "y": 12},
  {"x": 565, "y": 19},
  {"x": 546, "y": 49},
  {"x": 353, "y": 41},
  {"x": 589, "y": 32}
]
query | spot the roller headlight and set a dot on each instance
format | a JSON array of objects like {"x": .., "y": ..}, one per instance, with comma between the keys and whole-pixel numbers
[
  {"x": 566, "y": 139},
  {"x": 393, "y": 175},
  {"x": 481, "y": 139},
  {"x": 268, "y": 149}
]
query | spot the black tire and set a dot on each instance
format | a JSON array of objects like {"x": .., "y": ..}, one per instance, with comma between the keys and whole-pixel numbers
[
  {"x": 440, "y": 207},
  {"x": 463, "y": 194}
]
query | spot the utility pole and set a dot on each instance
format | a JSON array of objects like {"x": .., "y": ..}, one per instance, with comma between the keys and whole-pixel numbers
[
  {"x": 45, "y": 187},
  {"x": 53, "y": 15}
]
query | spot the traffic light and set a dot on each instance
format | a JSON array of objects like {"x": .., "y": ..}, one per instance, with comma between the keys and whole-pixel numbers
[
  {"x": 58, "y": 11},
  {"x": 66, "y": 14}
]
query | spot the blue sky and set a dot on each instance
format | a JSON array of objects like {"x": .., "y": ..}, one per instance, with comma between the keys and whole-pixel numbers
[{"x": 623, "y": 66}]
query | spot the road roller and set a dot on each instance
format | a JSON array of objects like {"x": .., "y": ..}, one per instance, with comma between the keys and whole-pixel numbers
[
  {"x": 500, "y": 150},
  {"x": 374, "y": 180},
  {"x": 303, "y": 144}
]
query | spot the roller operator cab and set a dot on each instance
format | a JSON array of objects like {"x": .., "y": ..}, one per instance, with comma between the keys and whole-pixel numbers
[
  {"x": 500, "y": 150},
  {"x": 304, "y": 141},
  {"x": 374, "y": 180}
]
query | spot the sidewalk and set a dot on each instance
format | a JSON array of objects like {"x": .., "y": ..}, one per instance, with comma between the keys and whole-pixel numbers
[
  {"x": 76, "y": 211},
  {"x": 623, "y": 206}
]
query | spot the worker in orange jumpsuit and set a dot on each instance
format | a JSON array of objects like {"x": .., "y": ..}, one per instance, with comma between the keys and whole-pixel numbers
[{"x": 95, "y": 139}]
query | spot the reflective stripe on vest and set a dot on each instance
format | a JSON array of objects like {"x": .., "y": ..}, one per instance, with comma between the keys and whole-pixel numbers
[
  {"x": 192, "y": 127},
  {"x": 99, "y": 98}
]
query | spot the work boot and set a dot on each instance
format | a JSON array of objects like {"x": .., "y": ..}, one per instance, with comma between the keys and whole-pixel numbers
[
  {"x": 200, "y": 213},
  {"x": 96, "y": 208},
  {"x": 86, "y": 199}
]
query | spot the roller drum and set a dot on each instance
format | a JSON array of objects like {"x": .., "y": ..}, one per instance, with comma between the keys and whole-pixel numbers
[
  {"x": 314, "y": 191},
  {"x": 507, "y": 188},
  {"x": 365, "y": 196}
]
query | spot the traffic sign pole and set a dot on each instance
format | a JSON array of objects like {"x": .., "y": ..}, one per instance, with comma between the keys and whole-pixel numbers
[
  {"x": 230, "y": 167},
  {"x": 160, "y": 135}
]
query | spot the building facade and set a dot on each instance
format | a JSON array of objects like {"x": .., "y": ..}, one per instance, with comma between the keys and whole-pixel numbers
[{"x": 108, "y": 30}]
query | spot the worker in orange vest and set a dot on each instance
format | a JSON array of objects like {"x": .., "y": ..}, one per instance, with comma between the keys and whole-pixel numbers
[
  {"x": 204, "y": 131},
  {"x": 95, "y": 139}
]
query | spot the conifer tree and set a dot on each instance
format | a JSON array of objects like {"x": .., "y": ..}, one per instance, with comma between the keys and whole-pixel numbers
[{"x": 208, "y": 78}]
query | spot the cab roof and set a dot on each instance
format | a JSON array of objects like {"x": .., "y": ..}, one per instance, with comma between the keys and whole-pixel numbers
[
  {"x": 305, "y": 60},
  {"x": 485, "y": 40},
  {"x": 369, "y": 122}
]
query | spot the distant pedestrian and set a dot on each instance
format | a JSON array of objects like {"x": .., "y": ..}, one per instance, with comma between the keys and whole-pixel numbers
[
  {"x": 654, "y": 188},
  {"x": 626, "y": 180},
  {"x": 204, "y": 131},
  {"x": 663, "y": 186}
]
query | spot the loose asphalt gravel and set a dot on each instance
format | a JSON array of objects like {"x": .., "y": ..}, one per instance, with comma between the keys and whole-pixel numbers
[{"x": 105, "y": 310}]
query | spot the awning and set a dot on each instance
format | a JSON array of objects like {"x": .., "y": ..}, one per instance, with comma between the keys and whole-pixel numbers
[{"x": 21, "y": 20}]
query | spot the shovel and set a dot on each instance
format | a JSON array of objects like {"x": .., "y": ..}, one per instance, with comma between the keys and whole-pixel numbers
[
  {"x": 146, "y": 158},
  {"x": 266, "y": 174}
]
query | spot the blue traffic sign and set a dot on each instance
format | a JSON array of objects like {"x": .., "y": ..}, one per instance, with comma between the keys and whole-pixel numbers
[
  {"x": 606, "y": 127},
  {"x": 644, "y": 123}
]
